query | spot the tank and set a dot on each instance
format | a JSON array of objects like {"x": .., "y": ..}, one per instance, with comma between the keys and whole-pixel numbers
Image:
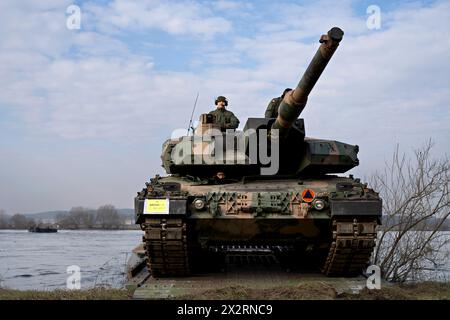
[{"x": 266, "y": 192}]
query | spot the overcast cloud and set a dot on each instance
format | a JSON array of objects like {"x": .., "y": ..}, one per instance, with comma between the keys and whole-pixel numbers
[{"x": 83, "y": 113}]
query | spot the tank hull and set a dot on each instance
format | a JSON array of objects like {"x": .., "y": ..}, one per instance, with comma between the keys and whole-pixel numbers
[{"x": 330, "y": 222}]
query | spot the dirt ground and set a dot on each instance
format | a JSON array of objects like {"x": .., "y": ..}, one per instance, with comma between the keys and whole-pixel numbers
[
  {"x": 324, "y": 291},
  {"x": 306, "y": 291},
  {"x": 255, "y": 282}
]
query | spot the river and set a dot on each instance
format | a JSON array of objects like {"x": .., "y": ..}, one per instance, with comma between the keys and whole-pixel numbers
[{"x": 40, "y": 260}]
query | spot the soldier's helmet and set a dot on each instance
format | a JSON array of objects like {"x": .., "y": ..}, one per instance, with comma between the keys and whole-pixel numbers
[
  {"x": 285, "y": 91},
  {"x": 223, "y": 99}
]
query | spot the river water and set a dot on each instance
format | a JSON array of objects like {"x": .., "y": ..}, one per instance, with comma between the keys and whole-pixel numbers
[{"x": 40, "y": 260}]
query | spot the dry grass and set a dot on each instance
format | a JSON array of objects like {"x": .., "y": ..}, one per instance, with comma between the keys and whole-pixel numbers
[
  {"x": 305, "y": 291},
  {"x": 309, "y": 291},
  {"x": 419, "y": 291},
  {"x": 323, "y": 291},
  {"x": 90, "y": 294}
]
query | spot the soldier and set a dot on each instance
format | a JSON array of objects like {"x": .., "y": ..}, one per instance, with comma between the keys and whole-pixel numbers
[
  {"x": 226, "y": 119},
  {"x": 272, "y": 108},
  {"x": 219, "y": 178}
]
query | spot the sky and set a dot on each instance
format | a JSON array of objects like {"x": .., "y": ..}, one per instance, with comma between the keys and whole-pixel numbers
[{"x": 84, "y": 112}]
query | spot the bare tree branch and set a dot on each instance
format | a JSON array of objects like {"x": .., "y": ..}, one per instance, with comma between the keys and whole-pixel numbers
[{"x": 416, "y": 204}]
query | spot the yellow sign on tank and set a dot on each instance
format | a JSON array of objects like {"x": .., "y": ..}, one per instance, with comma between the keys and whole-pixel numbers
[{"x": 156, "y": 206}]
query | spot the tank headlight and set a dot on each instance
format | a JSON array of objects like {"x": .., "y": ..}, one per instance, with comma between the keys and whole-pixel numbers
[
  {"x": 199, "y": 204},
  {"x": 319, "y": 204}
]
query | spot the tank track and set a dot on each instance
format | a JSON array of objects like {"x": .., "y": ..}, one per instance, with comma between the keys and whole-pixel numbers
[
  {"x": 166, "y": 247},
  {"x": 351, "y": 247}
]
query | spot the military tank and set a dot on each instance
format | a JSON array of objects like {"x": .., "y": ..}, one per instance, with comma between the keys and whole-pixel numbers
[{"x": 265, "y": 191}]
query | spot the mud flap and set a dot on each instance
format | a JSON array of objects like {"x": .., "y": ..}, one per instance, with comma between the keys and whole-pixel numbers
[{"x": 342, "y": 208}]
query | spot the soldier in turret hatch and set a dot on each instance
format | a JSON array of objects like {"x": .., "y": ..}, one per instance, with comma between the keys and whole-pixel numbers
[
  {"x": 272, "y": 108},
  {"x": 226, "y": 119}
]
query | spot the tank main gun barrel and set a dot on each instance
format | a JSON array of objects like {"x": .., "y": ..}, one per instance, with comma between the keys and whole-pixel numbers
[{"x": 295, "y": 101}]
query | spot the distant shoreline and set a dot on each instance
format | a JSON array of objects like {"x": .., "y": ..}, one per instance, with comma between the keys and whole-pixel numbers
[
  {"x": 137, "y": 227},
  {"x": 131, "y": 227}
]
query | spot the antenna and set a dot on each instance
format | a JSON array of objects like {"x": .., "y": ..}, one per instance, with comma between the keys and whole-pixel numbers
[{"x": 192, "y": 114}]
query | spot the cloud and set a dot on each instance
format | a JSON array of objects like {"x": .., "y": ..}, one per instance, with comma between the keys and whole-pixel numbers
[
  {"x": 173, "y": 17},
  {"x": 298, "y": 21},
  {"x": 62, "y": 89}
]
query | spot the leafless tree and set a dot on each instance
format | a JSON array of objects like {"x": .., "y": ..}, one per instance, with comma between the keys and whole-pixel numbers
[
  {"x": 89, "y": 220},
  {"x": 19, "y": 221},
  {"x": 4, "y": 220},
  {"x": 416, "y": 204},
  {"x": 78, "y": 217},
  {"x": 108, "y": 217},
  {"x": 82, "y": 217},
  {"x": 62, "y": 220}
]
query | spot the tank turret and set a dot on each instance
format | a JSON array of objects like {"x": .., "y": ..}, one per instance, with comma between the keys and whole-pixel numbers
[{"x": 296, "y": 154}]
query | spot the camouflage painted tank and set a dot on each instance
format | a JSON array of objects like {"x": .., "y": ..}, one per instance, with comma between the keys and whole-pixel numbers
[{"x": 266, "y": 190}]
